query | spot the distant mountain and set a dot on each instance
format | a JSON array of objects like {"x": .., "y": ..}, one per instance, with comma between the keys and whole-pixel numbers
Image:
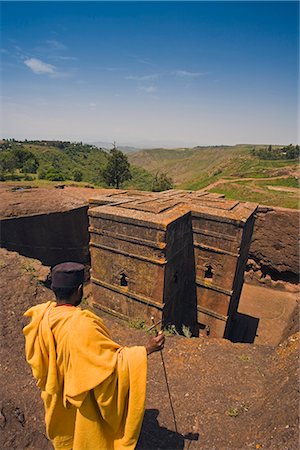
[
  {"x": 195, "y": 168},
  {"x": 108, "y": 145}
]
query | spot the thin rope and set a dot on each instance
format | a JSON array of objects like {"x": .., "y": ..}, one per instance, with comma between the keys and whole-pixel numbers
[
  {"x": 166, "y": 378},
  {"x": 168, "y": 388}
]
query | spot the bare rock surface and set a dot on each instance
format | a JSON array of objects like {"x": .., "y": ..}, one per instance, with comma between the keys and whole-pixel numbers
[
  {"x": 275, "y": 310},
  {"x": 275, "y": 244},
  {"x": 23, "y": 201},
  {"x": 224, "y": 395}
]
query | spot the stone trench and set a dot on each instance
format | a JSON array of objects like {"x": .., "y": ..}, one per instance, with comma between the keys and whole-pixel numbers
[
  {"x": 63, "y": 235},
  {"x": 58, "y": 236}
]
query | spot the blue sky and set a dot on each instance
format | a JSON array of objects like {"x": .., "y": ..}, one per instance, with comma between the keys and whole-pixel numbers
[{"x": 150, "y": 73}]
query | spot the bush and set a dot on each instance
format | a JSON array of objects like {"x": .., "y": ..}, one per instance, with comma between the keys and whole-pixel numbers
[
  {"x": 54, "y": 175},
  {"x": 161, "y": 182},
  {"x": 13, "y": 177},
  {"x": 77, "y": 175},
  {"x": 42, "y": 174},
  {"x": 30, "y": 166},
  {"x": 287, "y": 152},
  {"x": 8, "y": 162},
  {"x": 28, "y": 178}
]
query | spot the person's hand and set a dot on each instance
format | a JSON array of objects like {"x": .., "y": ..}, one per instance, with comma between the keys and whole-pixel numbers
[{"x": 155, "y": 343}]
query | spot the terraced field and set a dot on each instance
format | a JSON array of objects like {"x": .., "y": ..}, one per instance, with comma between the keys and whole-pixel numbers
[
  {"x": 272, "y": 192},
  {"x": 232, "y": 171}
]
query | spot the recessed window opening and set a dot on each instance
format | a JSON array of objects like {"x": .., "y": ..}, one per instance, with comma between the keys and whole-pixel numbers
[
  {"x": 208, "y": 272},
  {"x": 123, "y": 279},
  {"x": 175, "y": 277}
]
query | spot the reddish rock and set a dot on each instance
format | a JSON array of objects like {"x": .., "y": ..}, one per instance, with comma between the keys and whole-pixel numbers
[{"x": 275, "y": 243}]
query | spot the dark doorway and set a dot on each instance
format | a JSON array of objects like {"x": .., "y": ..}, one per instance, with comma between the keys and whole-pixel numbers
[{"x": 123, "y": 279}]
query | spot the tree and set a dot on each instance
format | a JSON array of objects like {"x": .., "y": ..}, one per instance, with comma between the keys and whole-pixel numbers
[
  {"x": 42, "y": 173},
  {"x": 53, "y": 174},
  {"x": 77, "y": 175},
  {"x": 118, "y": 168},
  {"x": 292, "y": 152},
  {"x": 8, "y": 161},
  {"x": 30, "y": 166},
  {"x": 161, "y": 182}
]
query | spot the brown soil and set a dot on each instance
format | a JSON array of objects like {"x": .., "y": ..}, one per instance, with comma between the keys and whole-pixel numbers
[
  {"x": 283, "y": 189},
  {"x": 232, "y": 396}
]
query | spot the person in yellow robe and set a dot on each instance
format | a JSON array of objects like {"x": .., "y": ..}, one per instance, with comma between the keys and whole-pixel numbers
[{"x": 93, "y": 389}]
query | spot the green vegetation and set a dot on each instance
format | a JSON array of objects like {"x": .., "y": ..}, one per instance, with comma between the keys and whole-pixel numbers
[
  {"x": 138, "y": 324},
  {"x": 77, "y": 175},
  {"x": 170, "y": 330},
  {"x": 161, "y": 182},
  {"x": 244, "y": 357},
  {"x": 28, "y": 269},
  {"x": 141, "y": 179},
  {"x": 16, "y": 158},
  {"x": 186, "y": 331},
  {"x": 241, "y": 172},
  {"x": 61, "y": 161},
  {"x": 117, "y": 169},
  {"x": 232, "y": 412},
  {"x": 200, "y": 167},
  {"x": 252, "y": 192},
  {"x": 288, "y": 152},
  {"x": 186, "y": 166},
  {"x": 291, "y": 182}
]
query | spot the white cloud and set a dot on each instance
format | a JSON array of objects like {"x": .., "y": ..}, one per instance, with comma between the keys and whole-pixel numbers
[
  {"x": 145, "y": 61},
  {"x": 185, "y": 73},
  {"x": 39, "y": 67},
  {"x": 143, "y": 77},
  {"x": 68, "y": 58},
  {"x": 147, "y": 89},
  {"x": 56, "y": 44}
]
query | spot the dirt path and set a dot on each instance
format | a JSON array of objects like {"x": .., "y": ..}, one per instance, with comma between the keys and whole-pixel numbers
[
  {"x": 225, "y": 395},
  {"x": 234, "y": 180},
  {"x": 283, "y": 189}
]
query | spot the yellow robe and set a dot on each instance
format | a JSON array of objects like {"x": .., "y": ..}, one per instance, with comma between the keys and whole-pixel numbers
[{"x": 93, "y": 390}]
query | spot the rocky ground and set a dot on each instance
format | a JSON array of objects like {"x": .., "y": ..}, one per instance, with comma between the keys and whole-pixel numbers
[
  {"x": 273, "y": 257},
  {"x": 225, "y": 395},
  {"x": 22, "y": 200}
]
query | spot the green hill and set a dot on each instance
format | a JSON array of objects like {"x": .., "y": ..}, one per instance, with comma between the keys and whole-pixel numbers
[
  {"x": 263, "y": 174},
  {"x": 60, "y": 160},
  {"x": 198, "y": 167},
  {"x": 218, "y": 167}
]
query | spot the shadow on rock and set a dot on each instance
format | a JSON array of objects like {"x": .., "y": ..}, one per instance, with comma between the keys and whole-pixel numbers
[
  {"x": 244, "y": 329},
  {"x": 155, "y": 437}
]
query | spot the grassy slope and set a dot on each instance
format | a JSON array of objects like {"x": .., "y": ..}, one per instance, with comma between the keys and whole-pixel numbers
[
  {"x": 193, "y": 168},
  {"x": 185, "y": 166},
  {"x": 201, "y": 166},
  {"x": 91, "y": 161},
  {"x": 258, "y": 192},
  {"x": 188, "y": 166}
]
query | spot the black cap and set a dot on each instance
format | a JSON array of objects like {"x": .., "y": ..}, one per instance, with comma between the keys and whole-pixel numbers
[{"x": 67, "y": 275}]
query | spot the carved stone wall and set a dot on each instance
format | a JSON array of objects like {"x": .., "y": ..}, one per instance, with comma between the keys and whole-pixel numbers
[
  {"x": 179, "y": 256},
  {"x": 275, "y": 243},
  {"x": 52, "y": 238}
]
